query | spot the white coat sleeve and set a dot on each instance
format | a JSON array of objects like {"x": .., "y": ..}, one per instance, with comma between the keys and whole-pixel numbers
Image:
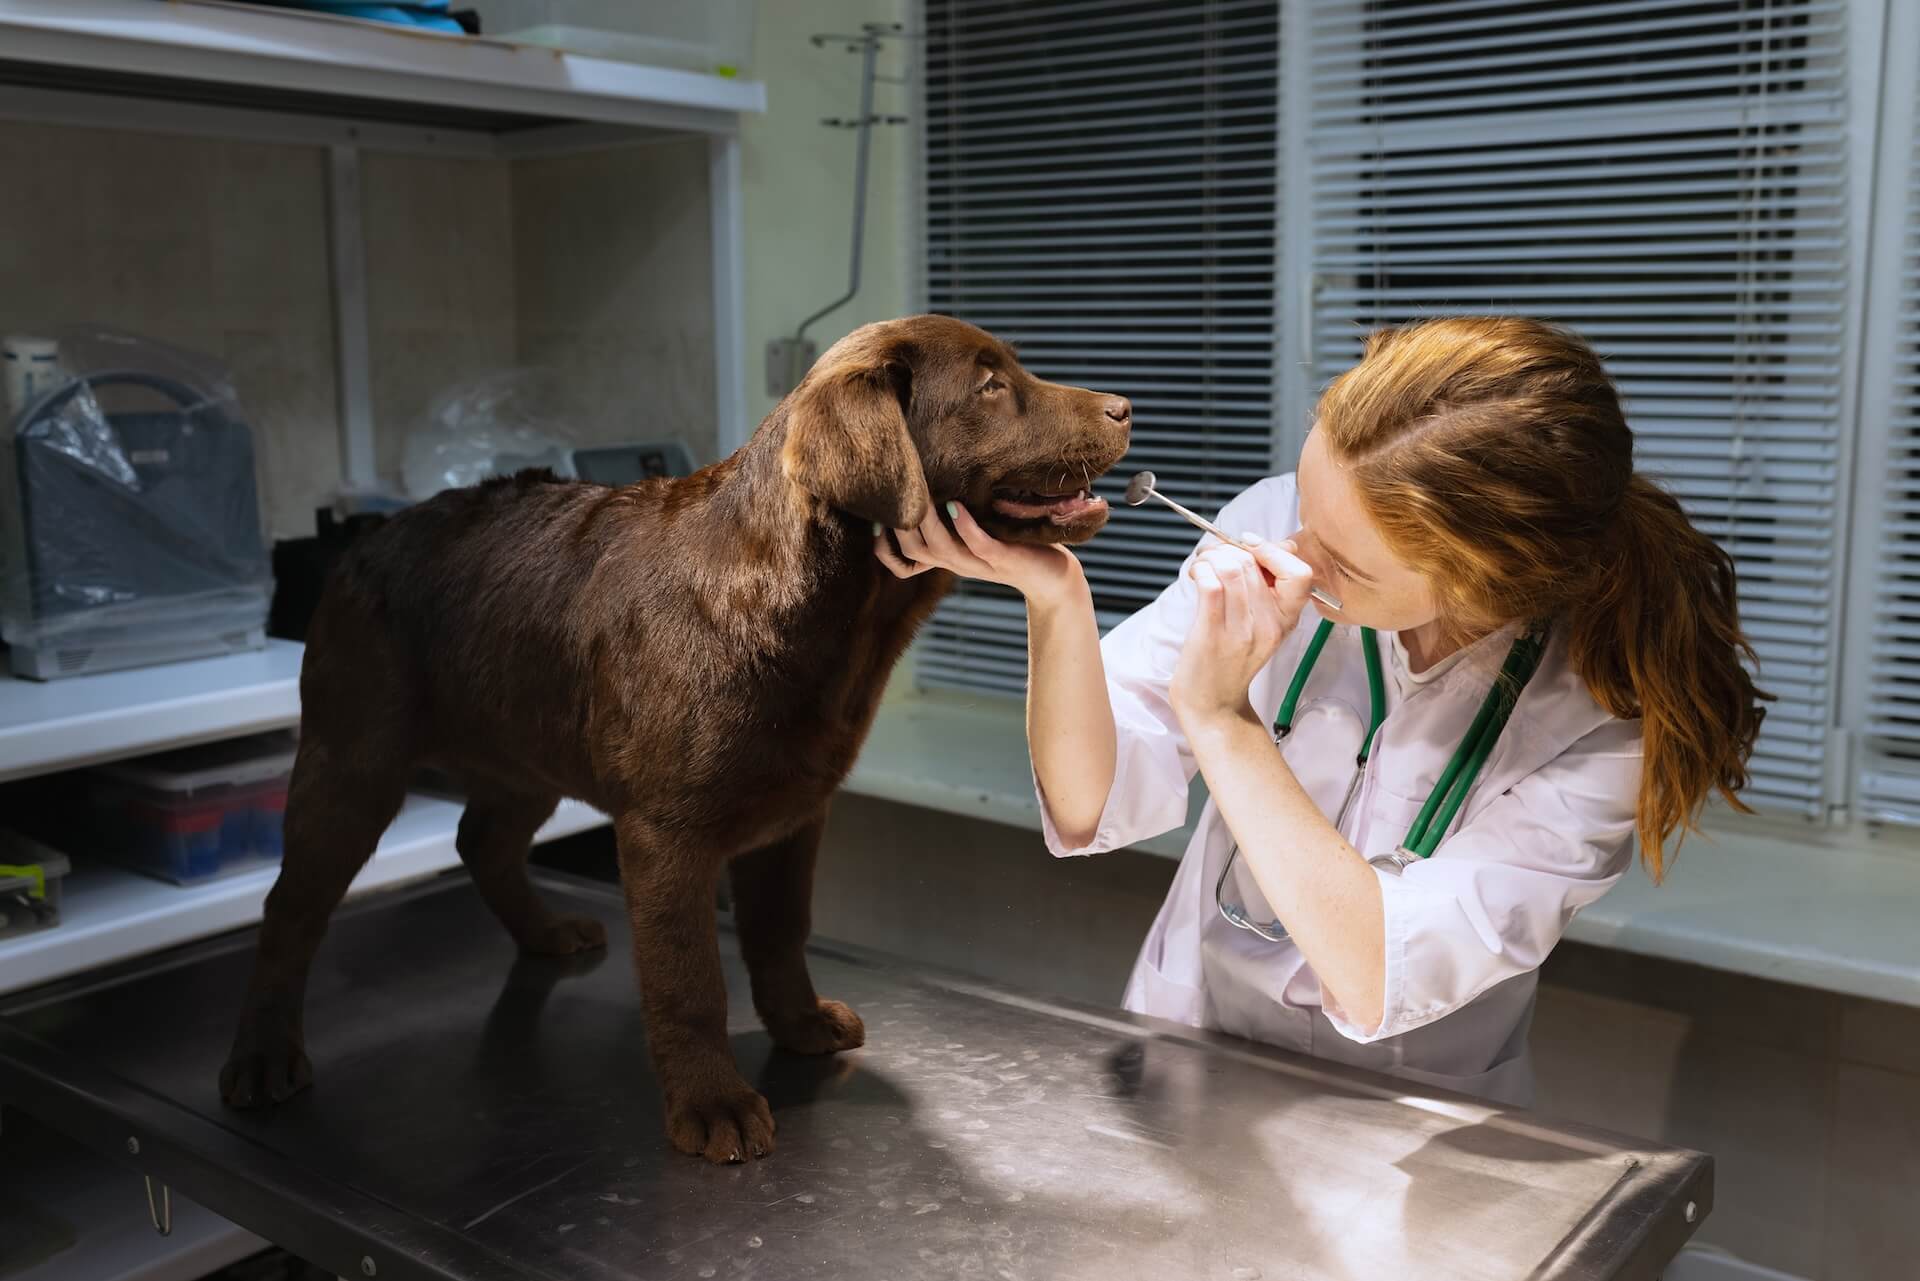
[
  {"x": 1497, "y": 894},
  {"x": 1153, "y": 765}
]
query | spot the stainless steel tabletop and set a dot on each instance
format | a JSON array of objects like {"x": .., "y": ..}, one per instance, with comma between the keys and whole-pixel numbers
[{"x": 479, "y": 1115}]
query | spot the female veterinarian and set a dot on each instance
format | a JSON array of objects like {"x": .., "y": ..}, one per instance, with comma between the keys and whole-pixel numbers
[{"x": 1467, "y": 494}]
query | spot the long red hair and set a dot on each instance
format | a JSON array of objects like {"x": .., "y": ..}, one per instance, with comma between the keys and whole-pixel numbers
[{"x": 1492, "y": 453}]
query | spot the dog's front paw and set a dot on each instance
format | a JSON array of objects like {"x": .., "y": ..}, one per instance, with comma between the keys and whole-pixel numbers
[
  {"x": 255, "y": 1077},
  {"x": 565, "y": 936},
  {"x": 726, "y": 1126},
  {"x": 828, "y": 1028}
]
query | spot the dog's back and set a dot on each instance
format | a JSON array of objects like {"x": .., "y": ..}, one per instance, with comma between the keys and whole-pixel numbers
[{"x": 475, "y": 621}]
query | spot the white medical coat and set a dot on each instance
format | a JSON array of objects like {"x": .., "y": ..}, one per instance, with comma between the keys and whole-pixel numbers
[{"x": 1546, "y": 830}]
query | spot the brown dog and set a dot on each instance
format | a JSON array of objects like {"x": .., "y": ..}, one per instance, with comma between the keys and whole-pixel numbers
[{"x": 699, "y": 658}]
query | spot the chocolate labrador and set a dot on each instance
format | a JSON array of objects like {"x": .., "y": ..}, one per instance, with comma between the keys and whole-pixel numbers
[{"x": 700, "y": 658}]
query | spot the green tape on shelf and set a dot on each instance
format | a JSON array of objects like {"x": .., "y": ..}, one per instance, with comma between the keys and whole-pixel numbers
[{"x": 26, "y": 872}]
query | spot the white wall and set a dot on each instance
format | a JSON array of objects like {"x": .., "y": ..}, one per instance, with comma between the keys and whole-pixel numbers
[
  {"x": 612, "y": 288},
  {"x": 798, "y": 176},
  {"x": 210, "y": 245}
]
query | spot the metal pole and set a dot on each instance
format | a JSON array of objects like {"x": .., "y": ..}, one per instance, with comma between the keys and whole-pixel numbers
[{"x": 869, "y": 53}]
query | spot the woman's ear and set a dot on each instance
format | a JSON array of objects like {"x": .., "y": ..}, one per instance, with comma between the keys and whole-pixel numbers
[{"x": 848, "y": 445}]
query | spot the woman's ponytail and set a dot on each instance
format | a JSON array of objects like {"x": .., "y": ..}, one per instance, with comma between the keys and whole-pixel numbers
[{"x": 1656, "y": 635}]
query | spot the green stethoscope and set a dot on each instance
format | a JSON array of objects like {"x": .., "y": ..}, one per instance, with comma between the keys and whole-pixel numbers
[{"x": 1437, "y": 815}]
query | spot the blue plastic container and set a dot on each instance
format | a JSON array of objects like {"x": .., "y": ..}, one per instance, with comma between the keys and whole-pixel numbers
[{"x": 196, "y": 813}]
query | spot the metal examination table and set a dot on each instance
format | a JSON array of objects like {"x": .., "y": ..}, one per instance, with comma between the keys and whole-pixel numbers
[{"x": 478, "y": 1116}]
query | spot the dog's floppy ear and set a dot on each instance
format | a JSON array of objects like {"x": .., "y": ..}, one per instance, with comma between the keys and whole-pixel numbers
[{"x": 847, "y": 441}]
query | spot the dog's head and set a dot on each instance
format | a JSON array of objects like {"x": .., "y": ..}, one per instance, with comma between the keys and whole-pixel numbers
[{"x": 907, "y": 413}]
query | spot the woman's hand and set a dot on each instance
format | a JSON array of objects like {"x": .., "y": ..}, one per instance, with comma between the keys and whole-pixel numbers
[
  {"x": 1036, "y": 572},
  {"x": 1248, "y": 604}
]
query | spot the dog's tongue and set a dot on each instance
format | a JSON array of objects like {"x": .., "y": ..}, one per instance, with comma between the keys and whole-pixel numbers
[
  {"x": 1078, "y": 505},
  {"x": 1059, "y": 509}
]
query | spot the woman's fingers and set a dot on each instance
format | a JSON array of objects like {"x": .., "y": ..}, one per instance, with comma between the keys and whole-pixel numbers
[
  {"x": 1262, "y": 591},
  {"x": 930, "y": 545},
  {"x": 1230, "y": 562},
  {"x": 1230, "y": 568},
  {"x": 941, "y": 543},
  {"x": 1278, "y": 559},
  {"x": 883, "y": 549},
  {"x": 952, "y": 552},
  {"x": 1289, "y": 578},
  {"x": 912, "y": 545},
  {"x": 978, "y": 541},
  {"x": 1235, "y": 570},
  {"x": 1212, "y": 610}
]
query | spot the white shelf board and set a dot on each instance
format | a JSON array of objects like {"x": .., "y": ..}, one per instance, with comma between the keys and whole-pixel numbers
[
  {"x": 55, "y": 725},
  {"x": 960, "y": 756},
  {"x": 108, "y": 914},
  {"x": 245, "y": 50},
  {"x": 1824, "y": 913},
  {"x": 104, "y": 1206}
]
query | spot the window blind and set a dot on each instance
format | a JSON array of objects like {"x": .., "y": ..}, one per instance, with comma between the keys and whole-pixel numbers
[
  {"x": 1100, "y": 190},
  {"x": 1667, "y": 177},
  {"x": 1890, "y": 774}
]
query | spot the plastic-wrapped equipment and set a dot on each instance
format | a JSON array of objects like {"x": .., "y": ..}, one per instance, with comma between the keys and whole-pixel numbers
[
  {"x": 493, "y": 425},
  {"x": 133, "y": 531}
]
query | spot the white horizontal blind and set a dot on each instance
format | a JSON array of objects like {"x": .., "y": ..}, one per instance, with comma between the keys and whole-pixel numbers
[
  {"x": 1666, "y": 176},
  {"x": 1100, "y": 191},
  {"x": 1890, "y": 778}
]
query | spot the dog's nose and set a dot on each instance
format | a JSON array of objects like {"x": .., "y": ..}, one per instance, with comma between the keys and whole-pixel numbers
[{"x": 1119, "y": 408}]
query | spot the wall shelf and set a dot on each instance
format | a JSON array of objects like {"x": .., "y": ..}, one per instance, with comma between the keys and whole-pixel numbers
[
  {"x": 108, "y": 914},
  {"x": 220, "y": 68},
  {"x": 63, "y": 724}
]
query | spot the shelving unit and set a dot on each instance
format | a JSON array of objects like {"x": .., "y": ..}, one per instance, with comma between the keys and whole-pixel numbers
[
  {"x": 213, "y": 69},
  {"x": 110, "y": 914},
  {"x": 219, "y": 70},
  {"x": 59, "y": 725},
  {"x": 475, "y": 94}
]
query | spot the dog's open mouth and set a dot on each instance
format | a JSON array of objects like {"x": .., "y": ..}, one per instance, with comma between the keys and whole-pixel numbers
[{"x": 1029, "y": 504}]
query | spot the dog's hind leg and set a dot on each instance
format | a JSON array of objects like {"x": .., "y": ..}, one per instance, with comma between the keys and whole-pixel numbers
[
  {"x": 339, "y": 800},
  {"x": 495, "y": 833},
  {"x": 772, "y": 910}
]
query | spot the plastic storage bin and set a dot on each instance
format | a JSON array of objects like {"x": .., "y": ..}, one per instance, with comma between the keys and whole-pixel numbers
[
  {"x": 196, "y": 813},
  {"x": 690, "y": 35},
  {"x": 31, "y": 875}
]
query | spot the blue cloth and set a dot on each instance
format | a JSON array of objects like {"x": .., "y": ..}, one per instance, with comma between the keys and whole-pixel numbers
[{"x": 426, "y": 15}]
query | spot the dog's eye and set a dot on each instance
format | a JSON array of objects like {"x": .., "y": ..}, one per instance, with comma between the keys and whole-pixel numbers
[{"x": 992, "y": 385}]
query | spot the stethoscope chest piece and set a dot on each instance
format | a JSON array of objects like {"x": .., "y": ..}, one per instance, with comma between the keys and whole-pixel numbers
[{"x": 1395, "y": 861}]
